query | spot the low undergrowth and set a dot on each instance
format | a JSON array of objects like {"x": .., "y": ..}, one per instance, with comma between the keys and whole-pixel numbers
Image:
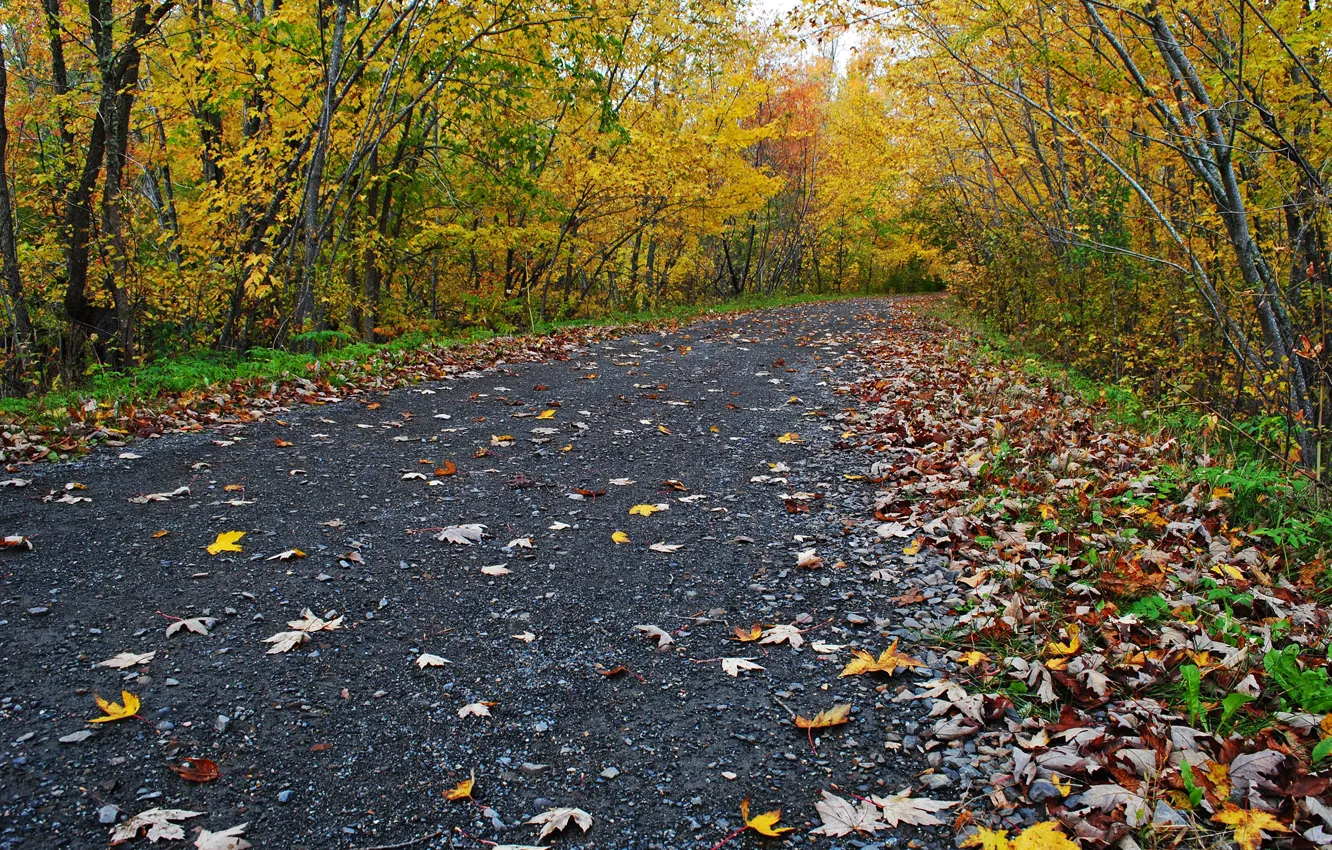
[{"x": 1145, "y": 632}]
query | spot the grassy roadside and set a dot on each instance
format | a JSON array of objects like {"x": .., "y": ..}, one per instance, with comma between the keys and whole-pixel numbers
[
  {"x": 200, "y": 370},
  {"x": 1271, "y": 499}
]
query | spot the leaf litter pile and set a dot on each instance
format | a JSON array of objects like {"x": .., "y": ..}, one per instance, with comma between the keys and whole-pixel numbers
[
  {"x": 1127, "y": 661},
  {"x": 883, "y": 572}
]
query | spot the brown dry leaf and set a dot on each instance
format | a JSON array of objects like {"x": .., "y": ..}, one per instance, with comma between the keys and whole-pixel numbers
[
  {"x": 835, "y": 716},
  {"x": 196, "y": 770},
  {"x": 281, "y": 443},
  {"x": 889, "y": 661}
]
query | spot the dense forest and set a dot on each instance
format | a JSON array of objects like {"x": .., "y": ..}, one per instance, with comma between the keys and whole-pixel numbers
[{"x": 1140, "y": 190}]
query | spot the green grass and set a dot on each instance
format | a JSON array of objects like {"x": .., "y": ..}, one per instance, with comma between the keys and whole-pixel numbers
[{"x": 205, "y": 369}]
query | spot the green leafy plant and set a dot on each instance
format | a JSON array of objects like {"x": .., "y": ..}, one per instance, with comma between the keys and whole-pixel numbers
[
  {"x": 1192, "y": 677},
  {"x": 1308, "y": 689}
]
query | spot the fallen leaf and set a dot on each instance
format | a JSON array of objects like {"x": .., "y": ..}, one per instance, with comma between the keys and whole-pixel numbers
[
  {"x": 227, "y": 839},
  {"x": 287, "y": 555},
  {"x": 226, "y": 542},
  {"x": 556, "y": 820},
  {"x": 128, "y": 707},
  {"x": 835, "y": 716},
  {"x": 546, "y": 414},
  {"x": 889, "y": 661},
  {"x": 647, "y": 510},
  {"x": 1248, "y": 824},
  {"x": 159, "y": 497},
  {"x": 496, "y": 570},
  {"x": 461, "y": 791},
  {"x": 746, "y": 636},
  {"x": 475, "y": 709},
  {"x": 196, "y": 770},
  {"x": 425, "y": 660},
  {"x": 842, "y": 817},
  {"x": 198, "y": 625},
  {"x": 622, "y": 482},
  {"x": 667, "y": 548},
  {"x": 777, "y": 634},
  {"x": 808, "y": 560},
  {"x": 463, "y": 535},
  {"x": 903, "y": 808},
  {"x": 620, "y": 538},
  {"x": 285, "y": 641},
  {"x": 733, "y": 666},
  {"x": 764, "y": 824},
  {"x": 14, "y": 541},
  {"x": 281, "y": 443},
  {"x": 790, "y": 438},
  {"x": 655, "y": 633},
  {"x": 127, "y": 659},
  {"x": 156, "y": 824}
]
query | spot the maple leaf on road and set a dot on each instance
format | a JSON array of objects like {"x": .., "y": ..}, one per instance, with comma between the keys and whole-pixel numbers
[
  {"x": 156, "y": 824},
  {"x": 656, "y": 633},
  {"x": 463, "y": 535},
  {"x": 127, "y": 659},
  {"x": 227, "y": 541},
  {"x": 780, "y": 633},
  {"x": 556, "y": 820},
  {"x": 764, "y": 824},
  {"x": 198, "y": 625},
  {"x": 127, "y": 707},
  {"x": 835, "y": 716},
  {"x": 227, "y": 839},
  {"x": 889, "y": 661},
  {"x": 842, "y": 817},
  {"x": 903, "y": 808},
  {"x": 733, "y": 666}
]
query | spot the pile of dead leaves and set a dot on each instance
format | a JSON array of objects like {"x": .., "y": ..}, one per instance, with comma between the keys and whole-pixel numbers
[{"x": 1148, "y": 668}]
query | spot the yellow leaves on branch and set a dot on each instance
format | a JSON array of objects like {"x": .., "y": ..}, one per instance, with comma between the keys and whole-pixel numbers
[
  {"x": 1248, "y": 824},
  {"x": 889, "y": 661},
  {"x": 227, "y": 541},
  {"x": 127, "y": 707}
]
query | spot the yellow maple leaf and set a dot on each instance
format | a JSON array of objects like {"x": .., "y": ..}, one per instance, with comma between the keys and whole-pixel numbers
[
  {"x": 889, "y": 661},
  {"x": 790, "y": 438},
  {"x": 1047, "y": 511},
  {"x": 461, "y": 791},
  {"x": 1248, "y": 824},
  {"x": 746, "y": 636},
  {"x": 973, "y": 657},
  {"x": 643, "y": 510},
  {"x": 127, "y": 707},
  {"x": 764, "y": 824},
  {"x": 1043, "y": 836},
  {"x": 546, "y": 414},
  {"x": 620, "y": 538},
  {"x": 913, "y": 547},
  {"x": 988, "y": 839},
  {"x": 1069, "y": 648},
  {"x": 835, "y": 716},
  {"x": 227, "y": 541}
]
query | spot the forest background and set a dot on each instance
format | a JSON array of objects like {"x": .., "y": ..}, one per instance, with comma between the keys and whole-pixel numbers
[{"x": 1139, "y": 190}]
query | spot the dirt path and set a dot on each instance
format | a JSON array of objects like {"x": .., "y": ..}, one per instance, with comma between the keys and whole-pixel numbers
[{"x": 344, "y": 741}]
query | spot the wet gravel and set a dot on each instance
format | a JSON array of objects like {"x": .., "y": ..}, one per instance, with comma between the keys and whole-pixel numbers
[{"x": 345, "y": 742}]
